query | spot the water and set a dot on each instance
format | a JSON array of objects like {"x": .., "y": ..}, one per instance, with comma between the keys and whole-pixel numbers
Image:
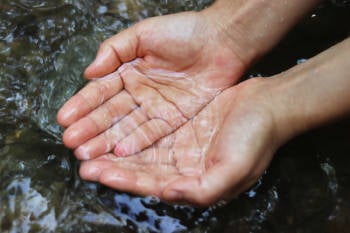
[{"x": 44, "y": 47}]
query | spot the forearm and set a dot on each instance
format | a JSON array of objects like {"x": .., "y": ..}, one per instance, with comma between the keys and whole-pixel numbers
[
  {"x": 253, "y": 27},
  {"x": 315, "y": 92}
]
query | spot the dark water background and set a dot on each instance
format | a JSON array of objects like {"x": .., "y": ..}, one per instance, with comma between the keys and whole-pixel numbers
[{"x": 44, "y": 47}]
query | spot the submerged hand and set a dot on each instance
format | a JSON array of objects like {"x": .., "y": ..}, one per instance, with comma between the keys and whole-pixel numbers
[
  {"x": 216, "y": 155},
  {"x": 182, "y": 63}
]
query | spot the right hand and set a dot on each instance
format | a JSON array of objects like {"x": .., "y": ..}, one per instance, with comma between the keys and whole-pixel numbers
[
  {"x": 180, "y": 63},
  {"x": 216, "y": 155}
]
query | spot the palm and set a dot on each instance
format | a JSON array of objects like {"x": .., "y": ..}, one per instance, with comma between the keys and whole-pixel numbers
[
  {"x": 217, "y": 154},
  {"x": 180, "y": 68}
]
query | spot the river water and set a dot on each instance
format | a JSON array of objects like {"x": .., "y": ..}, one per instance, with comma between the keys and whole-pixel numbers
[{"x": 44, "y": 47}]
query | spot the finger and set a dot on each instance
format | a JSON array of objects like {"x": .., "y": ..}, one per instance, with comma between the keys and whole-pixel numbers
[
  {"x": 92, "y": 169},
  {"x": 206, "y": 189},
  {"x": 106, "y": 141},
  {"x": 163, "y": 114},
  {"x": 108, "y": 172},
  {"x": 90, "y": 97},
  {"x": 155, "y": 156},
  {"x": 113, "y": 52},
  {"x": 178, "y": 88},
  {"x": 144, "y": 136},
  {"x": 148, "y": 95},
  {"x": 99, "y": 120},
  {"x": 124, "y": 176}
]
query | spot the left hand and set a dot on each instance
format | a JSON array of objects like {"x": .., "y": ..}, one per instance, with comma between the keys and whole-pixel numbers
[
  {"x": 179, "y": 64},
  {"x": 216, "y": 155}
]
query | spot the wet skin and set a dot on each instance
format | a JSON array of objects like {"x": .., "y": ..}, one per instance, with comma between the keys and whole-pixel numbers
[
  {"x": 161, "y": 93},
  {"x": 154, "y": 95},
  {"x": 223, "y": 150},
  {"x": 200, "y": 162},
  {"x": 184, "y": 61}
]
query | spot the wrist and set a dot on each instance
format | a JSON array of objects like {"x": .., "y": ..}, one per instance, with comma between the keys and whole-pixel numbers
[
  {"x": 233, "y": 23},
  {"x": 253, "y": 27},
  {"x": 312, "y": 93}
]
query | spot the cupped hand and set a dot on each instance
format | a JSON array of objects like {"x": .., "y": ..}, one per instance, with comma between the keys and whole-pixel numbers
[
  {"x": 160, "y": 73},
  {"x": 216, "y": 155}
]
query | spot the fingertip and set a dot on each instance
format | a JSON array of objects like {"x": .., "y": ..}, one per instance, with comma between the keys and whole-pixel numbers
[
  {"x": 61, "y": 119},
  {"x": 113, "y": 52},
  {"x": 82, "y": 153},
  {"x": 70, "y": 138},
  {"x": 120, "y": 151},
  {"x": 89, "y": 171},
  {"x": 69, "y": 112},
  {"x": 89, "y": 72},
  {"x": 105, "y": 62},
  {"x": 118, "y": 179},
  {"x": 64, "y": 117},
  {"x": 94, "y": 71}
]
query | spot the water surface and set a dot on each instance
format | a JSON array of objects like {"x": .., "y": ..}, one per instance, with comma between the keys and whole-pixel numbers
[{"x": 44, "y": 47}]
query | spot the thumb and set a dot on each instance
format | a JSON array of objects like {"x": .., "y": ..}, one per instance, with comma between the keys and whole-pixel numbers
[{"x": 113, "y": 52}]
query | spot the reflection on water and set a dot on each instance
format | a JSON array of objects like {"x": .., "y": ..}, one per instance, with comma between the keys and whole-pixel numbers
[{"x": 45, "y": 45}]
